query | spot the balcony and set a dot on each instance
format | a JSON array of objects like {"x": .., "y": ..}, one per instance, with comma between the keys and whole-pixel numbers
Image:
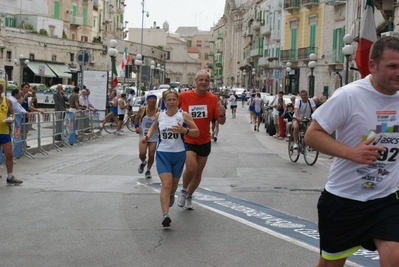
[
  {"x": 76, "y": 21},
  {"x": 120, "y": 9},
  {"x": 263, "y": 62},
  {"x": 211, "y": 54},
  {"x": 289, "y": 55},
  {"x": 303, "y": 53},
  {"x": 249, "y": 32},
  {"x": 219, "y": 36},
  {"x": 219, "y": 51},
  {"x": 275, "y": 36},
  {"x": 257, "y": 24},
  {"x": 310, "y": 4},
  {"x": 291, "y": 5},
  {"x": 335, "y": 2},
  {"x": 275, "y": 64},
  {"x": 256, "y": 52},
  {"x": 265, "y": 30},
  {"x": 218, "y": 64}
]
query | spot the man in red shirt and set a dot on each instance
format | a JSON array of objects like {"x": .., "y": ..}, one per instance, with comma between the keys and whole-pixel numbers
[{"x": 203, "y": 106}]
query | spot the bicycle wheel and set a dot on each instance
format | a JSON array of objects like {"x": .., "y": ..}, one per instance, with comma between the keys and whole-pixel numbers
[
  {"x": 130, "y": 123},
  {"x": 310, "y": 155},
  {"x": 292, "y": 153},
  {"x": 110, "y": 127}
]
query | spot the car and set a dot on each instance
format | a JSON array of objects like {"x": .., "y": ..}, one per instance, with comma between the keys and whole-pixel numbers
[
  {"x": 68, "y": 88},
  {"x": 239, "y": 92},
  {"x": 163, "y": 86}
]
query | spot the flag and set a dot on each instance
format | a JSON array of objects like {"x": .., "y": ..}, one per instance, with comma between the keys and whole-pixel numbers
[
  {"x": 115, "y": 72},
  {"x": 368, "y": 35},
  {"x": 125, "y": 59}
]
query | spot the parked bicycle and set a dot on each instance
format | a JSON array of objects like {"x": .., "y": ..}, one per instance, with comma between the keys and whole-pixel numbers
[
  {"x": 110, "y": 125},
  {"x": 309, "y": 154}
]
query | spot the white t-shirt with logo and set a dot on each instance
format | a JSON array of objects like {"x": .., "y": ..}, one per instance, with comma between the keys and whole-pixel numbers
[{"x": 355, "y": 112}]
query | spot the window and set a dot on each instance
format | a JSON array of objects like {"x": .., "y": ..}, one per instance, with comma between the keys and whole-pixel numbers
[
  {"x": 189, "y": 43},
  {"x": 53, "y": 58},
  {"x": 85, "y": 16},
  {"x": 8, "y": 55},
  {"x": 206, "y": 56},
  {"x": 84, "y": 38},
  {"x": 338, "y": 44},
  {"x": 199, "y": 43},
  {"x": 312, "y": 38},
  {"x": 294, "y": 32},
  {"x": 206, "y": 44},
  {"x": 71, "y": 57},
  {"x": 57, "y": 9},
  {"x": 31, "y": 57}
]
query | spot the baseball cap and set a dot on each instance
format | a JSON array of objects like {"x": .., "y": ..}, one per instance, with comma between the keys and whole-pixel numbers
[
  {"x": 151, "y": 95},
  {"x": 289, "y": 105}
]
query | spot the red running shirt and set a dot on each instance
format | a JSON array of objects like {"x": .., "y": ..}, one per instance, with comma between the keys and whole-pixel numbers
[{"x": 203, "y": 109}]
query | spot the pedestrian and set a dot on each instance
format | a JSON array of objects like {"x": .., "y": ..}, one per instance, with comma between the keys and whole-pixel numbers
[
  {"x": 113, "y": 109},
  {"x": 215, "y": 123},
  {"x": 276, "y": 119},
  {"x": 233, "y": 103},
  {"x": 60, "y": 107},
  {"x": 203, "y": 106},
  {"x": 171, "y": 124},
  {"x": 359, "y": 206},
  {"x": 122, "y": 105},
  {"x": 257, "y": 111},
  {"x": 243, "y": 98},
  {"x": 143, "y": 121},
  {"x": 288, "y": 117},
  {"x": 251, "y": 107},
  {"x": 7, "y": 118}
]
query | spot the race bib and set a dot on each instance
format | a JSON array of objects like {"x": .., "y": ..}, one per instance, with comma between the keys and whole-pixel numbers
[
  {"x": 391, "y": 143},
  {"x": 198, "y": 112}
]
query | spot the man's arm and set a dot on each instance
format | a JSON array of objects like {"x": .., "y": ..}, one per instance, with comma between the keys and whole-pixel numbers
[{"x": 364, "y": 153}]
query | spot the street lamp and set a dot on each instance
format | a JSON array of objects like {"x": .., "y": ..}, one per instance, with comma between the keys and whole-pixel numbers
[
  {"x": 21, "y": 62},
  {"x": 152, "y": 67},
  {"x": 112, "y": 52},
  {"x": 347, "y": 51},
  {"x": 312, "y": 64},
  {"x": 163, "y": 73},
  {"x": 141, "y": 42},
  {"x": 138, "y": 63},
  {"x": 243, "y": 75},
  {"x": 253, "y": 76},
  {"x": 287, "y": 79}
]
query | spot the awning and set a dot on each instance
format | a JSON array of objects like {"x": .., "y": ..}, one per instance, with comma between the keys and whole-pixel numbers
[
  {"x": 35, "y": 65},
  {"x": 61, "y": 71}
]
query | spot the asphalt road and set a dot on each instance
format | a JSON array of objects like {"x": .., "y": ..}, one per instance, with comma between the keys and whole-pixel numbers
[{"x": 88, "y": 206}]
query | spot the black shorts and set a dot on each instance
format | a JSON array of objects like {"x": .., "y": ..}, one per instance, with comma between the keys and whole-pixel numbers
[
  {"x": 233, "y": 106},
  {"x": 345, "y": 225},
  {"x": 201, "y": 150},
  {"x": 121, "y": 117}
]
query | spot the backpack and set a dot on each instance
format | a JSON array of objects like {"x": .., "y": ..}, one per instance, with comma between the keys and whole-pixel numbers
[{"x": 311, "y": 110}]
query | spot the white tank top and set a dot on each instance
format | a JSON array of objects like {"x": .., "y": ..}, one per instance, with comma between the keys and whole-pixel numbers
[
  {"x": 146, "y": 122},
  {"x": 169, "y": 141}
]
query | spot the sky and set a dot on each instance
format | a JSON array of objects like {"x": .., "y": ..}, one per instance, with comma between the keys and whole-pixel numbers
[{"x": 201, "y": 13}]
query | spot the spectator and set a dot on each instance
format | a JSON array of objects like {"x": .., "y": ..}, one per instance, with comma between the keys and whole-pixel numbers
[
  {"x": 288, "y": 117},
  {"x": 60, "y": 101},
  {"x": 7, "y": 117}
]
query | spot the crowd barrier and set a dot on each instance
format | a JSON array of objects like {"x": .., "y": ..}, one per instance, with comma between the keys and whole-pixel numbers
[{"x": 40, "y": 132}]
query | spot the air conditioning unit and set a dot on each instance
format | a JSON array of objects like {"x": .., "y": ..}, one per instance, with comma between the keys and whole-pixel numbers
[{"x": 390, "y": 33}]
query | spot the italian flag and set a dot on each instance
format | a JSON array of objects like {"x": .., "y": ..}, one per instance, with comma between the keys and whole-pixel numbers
[
  {"x": 125, "y": 59},
  {"x": 115, "y": 72},
  {"x": 368, "y": 35}
]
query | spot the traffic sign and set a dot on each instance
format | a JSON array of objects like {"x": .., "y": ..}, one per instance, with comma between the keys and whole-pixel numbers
[{"x": 83, "y": 57}]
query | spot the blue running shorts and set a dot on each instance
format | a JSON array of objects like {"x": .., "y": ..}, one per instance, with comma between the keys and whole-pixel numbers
[{"x": 172, "y": 162}]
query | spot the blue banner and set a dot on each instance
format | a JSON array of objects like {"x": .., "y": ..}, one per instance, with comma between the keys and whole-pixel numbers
[
  {"x": 72, "y": 129},
  {"x": 17, "y": 140}
]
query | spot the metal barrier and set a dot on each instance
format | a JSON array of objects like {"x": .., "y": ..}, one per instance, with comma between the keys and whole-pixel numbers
[{"x": 52, "y": 130}]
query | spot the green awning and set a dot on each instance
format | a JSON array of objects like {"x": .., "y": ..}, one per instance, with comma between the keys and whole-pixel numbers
[
  {"x": 61, "y": 71},
  {"x": 35, "y": 65}
]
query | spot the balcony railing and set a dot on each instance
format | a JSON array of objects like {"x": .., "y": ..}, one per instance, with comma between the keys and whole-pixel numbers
[
  {"x": 291, "y": 5},
  {"x": 275, "y": 36},
  {"x": 220, "y": 35},
  {"x": 335, "y": 2},
  {"x": 263, "y": 62},
  {"x": 256, "y": 52},
  {"x": 265, "y": 30},
  {"x": 257, "y": 24},
  {"x": 76, "y": 20},
  {"x": 219, "y": 51},
  {"x": 310, "y": 3},
  {"x": 289, "y": 55},
  {"x": 303, "y": 53}
]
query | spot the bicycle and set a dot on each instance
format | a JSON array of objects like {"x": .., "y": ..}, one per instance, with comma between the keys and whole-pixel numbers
[
  {"x": 110, "y": 125},
  {"x": 309, "y": 154}
]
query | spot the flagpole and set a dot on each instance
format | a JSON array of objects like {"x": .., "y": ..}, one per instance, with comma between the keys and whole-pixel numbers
[{"x": 112, "y": 52}]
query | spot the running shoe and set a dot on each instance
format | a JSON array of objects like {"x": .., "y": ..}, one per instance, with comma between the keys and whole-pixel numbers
[
  {"x": 148, "y": 174},
  {"x": 171, "y": 200},
  {"x": 213, "y": 135},
  {"x": 13, "y": 180},
  {"x": 188, "y": 205},
  {"x": 296, "y": 146},
  {"x": 141, "y": 167},
  {"x": 181, "y": 200},
  {"x": 166, "y": 221},
  {"x": 215, "y": 139}
]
